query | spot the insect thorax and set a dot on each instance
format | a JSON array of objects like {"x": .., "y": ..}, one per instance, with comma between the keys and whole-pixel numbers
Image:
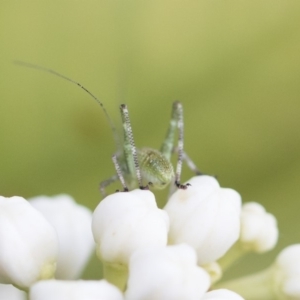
[{"x": 155, "y": 168}]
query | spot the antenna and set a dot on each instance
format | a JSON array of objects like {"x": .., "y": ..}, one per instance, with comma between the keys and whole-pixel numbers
[{"x": 40, "y": 68}]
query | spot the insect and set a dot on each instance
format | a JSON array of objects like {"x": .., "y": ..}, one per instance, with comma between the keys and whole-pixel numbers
[{"x": 143, "y": 167}]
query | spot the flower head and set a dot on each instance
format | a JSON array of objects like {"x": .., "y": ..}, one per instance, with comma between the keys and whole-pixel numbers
[
  {"x": 259, "y": 232},
  {"x": 74, "y": 290},
  {"x": 125, "y": 222},
  {"x": 205, "y": 216},
  {"x": 9, "y": 292},
  {"x": 169, "y": 273},
  {"x": 72, "y": 223},
  {"x": 222, "y": 294},
  {"x": 279, "y": 281},
  {"x": 28, "y": 243},
  {"x": 286, "y": 276}
]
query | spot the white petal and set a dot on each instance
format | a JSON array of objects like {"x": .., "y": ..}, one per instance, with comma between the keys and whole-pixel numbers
[
  {"x": 168, "y": 273},
  {"x": 205, "y": 216},
  {"x": 9, "y": 292},
  {"x": 74, "y": 290},
  {"x": 222, "y": 294},
  {"x": 72, "y": 223},
  {"x": 29, "y": 243},
  {"x": 124, "y": 222}
]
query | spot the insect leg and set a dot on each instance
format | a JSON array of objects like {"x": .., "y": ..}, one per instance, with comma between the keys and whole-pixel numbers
[
  {"x": 130, "y": 151},
  {"x": 167, "y": 146},
  {"x": 104, "y": 184},
  {"x": 192, "y": 166},
  {"x": 119, "y": 173}
]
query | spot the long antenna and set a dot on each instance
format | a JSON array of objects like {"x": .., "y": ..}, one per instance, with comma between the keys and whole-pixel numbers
[{"x": 37, "y": 67}]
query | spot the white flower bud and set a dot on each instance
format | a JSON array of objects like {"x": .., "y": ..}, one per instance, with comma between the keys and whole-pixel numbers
[
  {"x": 286, "y": 277},
  {"x": 205, "y": 216},
  {"x": 259, "y": 232},
  {"x": 72, "y": 223},
  {"x": 222, "y": 294},
  {"x": 125, "y": 222},
  {"x": 28, "y": 243},
  {"x": 9, "y": 292},
  {"x": 169, "y": 273},
  {"x": 74, "y": 290}
]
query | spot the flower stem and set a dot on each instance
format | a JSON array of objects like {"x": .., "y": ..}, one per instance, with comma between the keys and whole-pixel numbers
[
  {"x": 233, "y": 255},
  {"x": 116, "y": 274},
  {"x": 253, "y": 287},
  {"x": 23, "y": 289}
]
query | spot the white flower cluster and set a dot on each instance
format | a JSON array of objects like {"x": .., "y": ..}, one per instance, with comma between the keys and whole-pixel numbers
[{"x": 175, "y": 253}]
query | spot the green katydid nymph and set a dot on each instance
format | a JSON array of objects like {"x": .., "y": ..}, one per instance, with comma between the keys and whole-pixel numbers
[{"x": 144, "y": 167}]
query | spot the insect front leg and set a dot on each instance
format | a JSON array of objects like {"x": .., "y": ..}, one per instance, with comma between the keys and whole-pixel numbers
[
  {"x": 104, "y": 184},
  {"x": 119, "y": 173},
  {"x": 176, "y": 122},
  {"x": 119, "y": 176}
]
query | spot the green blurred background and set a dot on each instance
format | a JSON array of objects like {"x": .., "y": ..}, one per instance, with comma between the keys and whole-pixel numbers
[{"x": 235, "y": 66}]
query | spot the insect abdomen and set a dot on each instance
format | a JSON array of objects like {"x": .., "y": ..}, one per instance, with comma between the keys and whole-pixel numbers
[{"x": 155, "y": 168}]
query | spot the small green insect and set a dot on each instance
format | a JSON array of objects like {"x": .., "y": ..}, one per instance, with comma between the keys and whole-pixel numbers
[{"x": 144, "y": 167}]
